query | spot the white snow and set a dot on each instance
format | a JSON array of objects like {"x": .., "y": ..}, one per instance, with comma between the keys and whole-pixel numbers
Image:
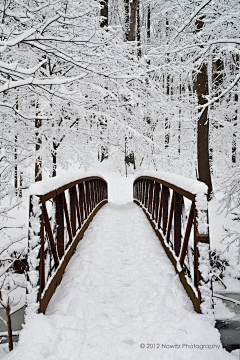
[
  {"x": 119, "y": 291},
  {"x": 190, "y": 185},
  {"x": 45, "y": 186}
]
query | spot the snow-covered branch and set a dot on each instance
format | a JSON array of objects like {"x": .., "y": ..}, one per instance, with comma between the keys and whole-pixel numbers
[
  {"x": 192, "y": 16},
  {"x": 14, "y": 67},
  {"x": 34, "y": 81},
  {"x": 223, "y": 93}
]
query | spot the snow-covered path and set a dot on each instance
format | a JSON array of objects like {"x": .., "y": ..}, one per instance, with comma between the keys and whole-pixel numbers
[{"x": 119, "y": 291}]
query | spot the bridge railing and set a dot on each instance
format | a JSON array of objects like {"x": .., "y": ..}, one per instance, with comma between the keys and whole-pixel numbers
[
  {"x": 58, "y": 218},
  {"x": 177, "y": 209}
]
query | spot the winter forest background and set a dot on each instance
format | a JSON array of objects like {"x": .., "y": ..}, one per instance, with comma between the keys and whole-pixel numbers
[{"x": 128, "y": 85}]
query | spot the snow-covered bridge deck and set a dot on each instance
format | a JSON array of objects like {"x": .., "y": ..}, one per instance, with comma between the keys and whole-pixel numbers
[{"x": 120, "y": 298}]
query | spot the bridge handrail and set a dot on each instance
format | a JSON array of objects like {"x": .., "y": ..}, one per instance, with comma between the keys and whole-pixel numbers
[
  {"x": 58, "y": 218},
  {"x": 153, "y": 194}
]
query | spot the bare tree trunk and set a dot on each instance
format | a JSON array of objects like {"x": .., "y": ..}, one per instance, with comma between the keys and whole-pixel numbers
[
  {"x": 167, "y": 123},
  {"x": 15, "y": 167},
  {"x": 38, "y": 161},
  {"x": 139, "y": 52},
  {"x": 21, "y": 184},
  {"x": 104, "y": 13},
  {"x": 54, "y": 160},
  {"x": 234, "y": 139},
  {"x": 148, "y": 22},
  {"x": 125, "y": 157},
  {"x": 127, "y": 14},
  {"x": 133, "y": 20},
  {"x": 204, "y": 172},
  {"x": 203, "y": 157},
  {"x": 179, "y": 118},
  {"x": 9, "y": 325}
]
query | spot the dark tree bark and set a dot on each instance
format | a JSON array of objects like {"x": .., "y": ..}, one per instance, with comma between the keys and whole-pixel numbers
[
  {"x": 204, "y": 172},
  {"x": 148, "y": 23},
  {"x": 167, "y": 122},
  {"x": 133, "y": 20},
  {"x": 54, "y": 159},
  {"x": 38, "y": 161},
  {"x": 203, "y": 157},
  {"x": 139, "y": 52},
  {"x": 9, "y": 325},
  {"x": 234, "y": 139},
  {"x": 127, "y": 13},
  {"x": 21, "y": 184},
  {"x": 16, "y": 166},
  {"x": 104, "y": 13}
]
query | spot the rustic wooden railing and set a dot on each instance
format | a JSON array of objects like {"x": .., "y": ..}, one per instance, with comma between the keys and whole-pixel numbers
[
  {"x": 180, "y": 220},
  {"x": 58, "y": 220}
]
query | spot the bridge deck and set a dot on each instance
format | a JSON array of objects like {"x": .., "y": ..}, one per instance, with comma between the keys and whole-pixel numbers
[{"x": 119, "y": 291}]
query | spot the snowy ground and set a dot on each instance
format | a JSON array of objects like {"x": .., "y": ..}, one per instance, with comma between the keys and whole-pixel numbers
[
  {"x": 134, "y": 287},
  {"x": 119, "y": 298}
]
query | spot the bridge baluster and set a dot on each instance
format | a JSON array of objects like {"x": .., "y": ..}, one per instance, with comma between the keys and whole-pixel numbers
[
  {"x": 81, "y": 202},
  {"x": 170, "y": 218},
  {"x": 150, "y": 192},
  {"x": 165, "y": 201},
  {"x": 73, "y": 206},
  {"x": 156, "y": 200},
  {"x": 60, "y": 225},
  {"x": 160, "y": 208},
  {"x": 146, "y": 193},
  {"x": 178, "y": 203}
]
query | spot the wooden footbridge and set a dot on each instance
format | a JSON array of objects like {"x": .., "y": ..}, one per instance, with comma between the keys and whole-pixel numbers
[{"x": 176, "y": 210}]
